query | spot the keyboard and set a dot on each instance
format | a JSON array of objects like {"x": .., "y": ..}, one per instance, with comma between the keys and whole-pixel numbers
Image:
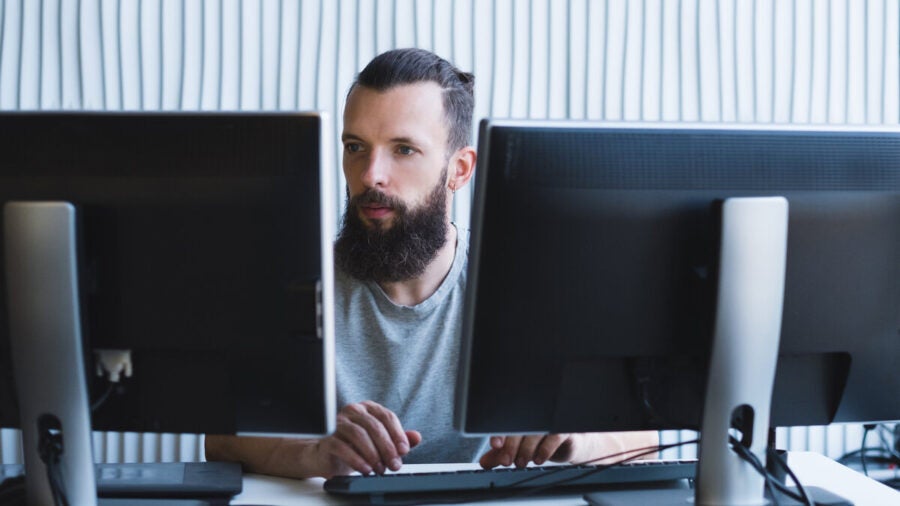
[
  {"x": 169, "y": 479},
  {"x": 512, "y": 479}
]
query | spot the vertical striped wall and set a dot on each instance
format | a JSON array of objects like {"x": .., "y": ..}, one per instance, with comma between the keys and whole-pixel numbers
[
  {"x": 734, "y": 61},
  {"x": 741, "y": 61}
]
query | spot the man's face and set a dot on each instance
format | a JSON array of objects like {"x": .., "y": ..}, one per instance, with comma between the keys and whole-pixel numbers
[
  {"x": 395, "y": 145},
  {"x": 395, "y": 163}
]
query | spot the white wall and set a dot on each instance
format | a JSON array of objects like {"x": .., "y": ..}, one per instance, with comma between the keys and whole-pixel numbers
[{"x": 734, "y": 61}]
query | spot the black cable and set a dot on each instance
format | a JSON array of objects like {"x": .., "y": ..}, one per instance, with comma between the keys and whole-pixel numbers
[
  {"x": 637, "y": 453},
  {"x": 857, "y": 453},
  {"x": 888, "y": 447},
  {"x": 783, "y": 465},
  {"x": 56, "y": 486},
  {"x": 748, "y": 456},
  {"x": 873, "y": 455},
  {"x": 110, "y": 387},
  {"x": 50, "y": 447},
  {"x": 866, "y": 429}
]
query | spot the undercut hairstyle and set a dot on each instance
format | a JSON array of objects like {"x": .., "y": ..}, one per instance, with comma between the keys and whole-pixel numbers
[{"x": 409, "y": 66}]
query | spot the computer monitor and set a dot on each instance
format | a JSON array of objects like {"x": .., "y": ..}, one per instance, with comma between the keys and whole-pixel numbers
[
  {"x": 594, "y": 273},
  {"x": 200, "y": 243}
]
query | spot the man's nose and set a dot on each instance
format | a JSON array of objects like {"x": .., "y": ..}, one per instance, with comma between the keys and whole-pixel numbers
[{"x": 377, "y": 171}]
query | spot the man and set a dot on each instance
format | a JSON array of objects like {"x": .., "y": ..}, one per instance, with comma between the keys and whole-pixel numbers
[{"x": 399, "y": 284}]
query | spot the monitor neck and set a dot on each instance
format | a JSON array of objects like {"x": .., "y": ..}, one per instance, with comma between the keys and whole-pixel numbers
[{"x": 48, "y": 358}]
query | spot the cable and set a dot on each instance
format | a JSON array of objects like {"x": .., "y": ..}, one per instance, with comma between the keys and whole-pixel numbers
[
  {"x": 50, "y": 447},
  {"x": 885, "y": 454},
  {"x": 110, "y": 387},
  {"x": 888, "y": 447},
  {"x": 751, "y": 458},
  {"x": 783, "y": 465},
  {"x": 857, "y": 453},
  {"x": 866, "y": 428},
  {"x": 636, "y": 453}
]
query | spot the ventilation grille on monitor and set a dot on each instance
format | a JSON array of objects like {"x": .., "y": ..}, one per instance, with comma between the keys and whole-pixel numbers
[{"x": 702, "y": 159}]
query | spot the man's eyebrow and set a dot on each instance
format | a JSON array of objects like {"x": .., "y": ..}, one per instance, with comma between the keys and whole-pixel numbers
[{"x": 405, "y": 140}]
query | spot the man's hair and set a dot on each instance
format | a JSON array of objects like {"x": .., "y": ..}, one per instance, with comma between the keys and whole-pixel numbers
[{"x": 409, "y": 66}]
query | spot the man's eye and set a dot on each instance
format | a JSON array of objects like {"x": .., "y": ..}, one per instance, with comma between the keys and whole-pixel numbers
[
  {"x": 352, "y": 147},
  {"x": 405, "y": 150}
]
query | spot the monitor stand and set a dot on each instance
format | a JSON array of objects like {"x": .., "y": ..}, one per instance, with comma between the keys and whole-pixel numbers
[
  {"x": 744, "y": 355},
  {"x": 45, "y": 341}
]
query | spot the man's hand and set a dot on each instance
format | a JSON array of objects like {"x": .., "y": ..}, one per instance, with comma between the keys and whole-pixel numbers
[
  {"x": 520, "y": 450},
  {"x": 368, "y": 438}
]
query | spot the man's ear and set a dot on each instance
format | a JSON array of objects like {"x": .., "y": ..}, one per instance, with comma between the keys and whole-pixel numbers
[{"x": 462, "y": 167}]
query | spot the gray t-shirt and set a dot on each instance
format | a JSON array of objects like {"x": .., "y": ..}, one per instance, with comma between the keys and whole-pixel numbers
[{"x": 406, "y": 358}]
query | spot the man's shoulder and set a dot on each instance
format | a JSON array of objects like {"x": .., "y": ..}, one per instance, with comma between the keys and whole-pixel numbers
[{"x": 346, "y": 287}]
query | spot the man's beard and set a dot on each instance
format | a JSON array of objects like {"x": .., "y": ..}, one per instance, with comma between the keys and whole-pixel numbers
[{"x": 396, "y": 253}]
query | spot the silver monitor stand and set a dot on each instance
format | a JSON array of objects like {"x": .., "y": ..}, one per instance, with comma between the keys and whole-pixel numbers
[
  {"x": 753, "y": 255},
  {"x": 48, "y": 358}
]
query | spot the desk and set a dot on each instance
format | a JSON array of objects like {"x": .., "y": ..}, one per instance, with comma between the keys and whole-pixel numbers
[{"x": 813, "y": 469}]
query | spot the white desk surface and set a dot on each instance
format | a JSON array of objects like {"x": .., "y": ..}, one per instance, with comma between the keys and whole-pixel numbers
[{"x": 813, "y": 469}]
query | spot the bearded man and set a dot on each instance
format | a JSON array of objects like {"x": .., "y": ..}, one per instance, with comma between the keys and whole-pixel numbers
[{"x": 400, "y": 279}]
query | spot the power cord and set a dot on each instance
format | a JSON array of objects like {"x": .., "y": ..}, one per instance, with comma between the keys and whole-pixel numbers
[
  {"x": 771, "y": 481},
  {"x": 888, "y": 446},
  {"x": 866, "y": 429},
  {"x": 885, "y": 455},
  {"x": 50, "y": 447},
  {"x": 772, "y": 454},
  {"x": 110, "y": 387}
]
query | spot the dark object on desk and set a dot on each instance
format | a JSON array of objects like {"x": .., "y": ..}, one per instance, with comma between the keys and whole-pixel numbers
[
  {"x": 510, "y": 480},
  {"x": 168, "y": 479},
  {"x": 178, "y": 479}
]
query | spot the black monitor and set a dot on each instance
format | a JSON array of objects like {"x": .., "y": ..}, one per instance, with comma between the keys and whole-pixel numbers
[
  {"x": 198, "y": 243},
  {"x": 595, "y": 274}
]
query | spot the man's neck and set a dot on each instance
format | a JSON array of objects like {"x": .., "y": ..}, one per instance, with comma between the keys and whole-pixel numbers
[{"x": 416, "y": 290}]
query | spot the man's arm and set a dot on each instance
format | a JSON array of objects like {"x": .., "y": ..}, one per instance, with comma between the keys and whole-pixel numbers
[
  {"x": 577, "y": 448},
  {"x": 368, "y": 438},
  {"x": 286, "y": 457}
]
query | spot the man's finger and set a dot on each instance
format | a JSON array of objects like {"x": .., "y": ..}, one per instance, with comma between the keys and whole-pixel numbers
[
  {"x": 345, "y": 453},
  {"x": 392, "y": 425},
  {"x": 526, "y": 451},
  {"x": 357, "y": 437},
  {"x": 548, "y": 447},
  {"x": 375, "y": 437},
  {"x": 510, "y": 450},
  {"x": 414, "y": 437}
]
